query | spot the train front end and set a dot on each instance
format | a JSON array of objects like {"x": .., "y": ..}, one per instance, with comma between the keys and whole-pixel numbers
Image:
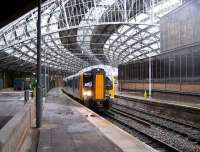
[{"x": 97, "y": 89}]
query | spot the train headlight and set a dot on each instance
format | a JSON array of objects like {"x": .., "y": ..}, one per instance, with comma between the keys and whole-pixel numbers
[{"x": 87, "y": 93}]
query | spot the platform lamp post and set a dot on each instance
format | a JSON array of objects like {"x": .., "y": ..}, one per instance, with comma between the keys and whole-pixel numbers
[{"x": 39, "y": 86}]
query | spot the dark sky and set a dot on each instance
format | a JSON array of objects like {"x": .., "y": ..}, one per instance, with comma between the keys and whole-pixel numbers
[{"x": 13, "y": 9}]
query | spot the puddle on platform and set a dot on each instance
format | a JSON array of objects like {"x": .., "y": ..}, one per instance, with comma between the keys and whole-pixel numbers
[{"x": 4, "y": 120}]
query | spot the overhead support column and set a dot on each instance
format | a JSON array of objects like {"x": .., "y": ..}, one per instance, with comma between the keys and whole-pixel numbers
[
  {"x": 4, "y": 79},
  {"x": 125, "y": 11},
  {"x": 45, "y": 72},
  {"x": 152, "y": 11},
  {"x": 150, "y": 87},
  {"x": 39, "y": 89},
  {"x": 64, "y": 11}
]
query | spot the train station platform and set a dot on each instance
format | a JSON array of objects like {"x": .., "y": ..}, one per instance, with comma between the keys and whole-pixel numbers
[
  {"x": 188, "y": 101},
  {"x": 69, "y": 126}
]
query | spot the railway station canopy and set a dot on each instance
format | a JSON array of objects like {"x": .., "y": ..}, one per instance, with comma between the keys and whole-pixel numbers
[{"x": 80, "y": 33}]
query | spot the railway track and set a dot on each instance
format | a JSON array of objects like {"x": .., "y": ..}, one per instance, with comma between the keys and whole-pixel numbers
[
  {"x": 186, "y": 130},
  {"x": 161, "y": 133}
]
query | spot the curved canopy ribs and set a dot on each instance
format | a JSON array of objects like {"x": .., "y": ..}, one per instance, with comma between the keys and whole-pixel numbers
[{"x": 81, "y": 33}]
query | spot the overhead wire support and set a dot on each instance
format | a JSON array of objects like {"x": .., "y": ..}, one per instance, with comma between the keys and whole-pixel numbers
[{"x": 38, "y": 87}]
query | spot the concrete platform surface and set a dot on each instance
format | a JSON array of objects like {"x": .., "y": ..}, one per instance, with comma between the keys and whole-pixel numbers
[
  {"x": 168, "y": 98},
  {"x": 10, "y": 103},
  {"x": 70, "y": 127}
]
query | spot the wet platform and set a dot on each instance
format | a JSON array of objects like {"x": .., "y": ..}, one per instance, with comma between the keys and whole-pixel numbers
[
  {"x": 70, "y": 127},
  {"x": 166, "y": 98},
  {"x": 10, "y": 103},
  {"x": 16, "y": 121}
]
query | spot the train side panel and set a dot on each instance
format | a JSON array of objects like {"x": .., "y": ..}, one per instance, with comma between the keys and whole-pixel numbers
[{"x": 81, "y": 87}]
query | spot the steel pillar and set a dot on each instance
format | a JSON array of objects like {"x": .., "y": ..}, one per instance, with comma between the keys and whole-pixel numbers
[
  {"x": 150, "y": 87},
  {"x": 39, "y": 86}
]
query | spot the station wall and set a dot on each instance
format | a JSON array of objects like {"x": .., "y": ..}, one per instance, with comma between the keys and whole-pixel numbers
[
  {"x": 176, "y": 71},
  {"x": 7, "y": 78},
  {"x": 176, "y": 68},
  {"x": 181, "y": 27}
]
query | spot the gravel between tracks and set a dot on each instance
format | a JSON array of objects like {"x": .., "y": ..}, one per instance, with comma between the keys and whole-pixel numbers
[{"x": 163, "y": 131}]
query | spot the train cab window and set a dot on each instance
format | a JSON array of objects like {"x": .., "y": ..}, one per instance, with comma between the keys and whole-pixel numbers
[
  {"x": 87, "y": 80},
  {"x": 109, "y": 84}
]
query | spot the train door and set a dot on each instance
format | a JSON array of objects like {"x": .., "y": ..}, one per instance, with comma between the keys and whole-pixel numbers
[
  {"x": 81, "y": 86},
  {"x": 98, "y": 84}
]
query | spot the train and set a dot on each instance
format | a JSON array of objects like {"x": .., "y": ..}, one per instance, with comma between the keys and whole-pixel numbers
[{"x": 93, "y": 88}]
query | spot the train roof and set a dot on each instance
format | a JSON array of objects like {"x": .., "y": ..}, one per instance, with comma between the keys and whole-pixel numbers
[{"x": 85, "y": 71}]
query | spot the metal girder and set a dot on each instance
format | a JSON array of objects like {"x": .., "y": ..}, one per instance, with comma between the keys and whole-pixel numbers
[{"x": 81, "y": 33}]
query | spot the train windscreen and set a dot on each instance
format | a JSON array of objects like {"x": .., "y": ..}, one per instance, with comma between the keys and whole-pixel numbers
[
  {"x": 87, "y": 80},
  {"x": 109, "y": 84}
]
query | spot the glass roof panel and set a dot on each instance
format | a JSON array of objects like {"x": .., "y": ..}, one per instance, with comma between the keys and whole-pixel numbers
[{"x": 99, "y": 32}]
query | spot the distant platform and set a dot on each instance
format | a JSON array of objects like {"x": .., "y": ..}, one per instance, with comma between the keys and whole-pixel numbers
[
  {"x": 166, "y": 98},
  {"x": 179, "y": 108},
  {"x": 70, "y": 127},
  {"x": 9, "y": 94}
]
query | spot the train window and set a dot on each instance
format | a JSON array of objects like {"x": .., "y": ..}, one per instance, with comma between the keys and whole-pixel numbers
[
  {"x": 108, "y": 82},
  {"x": 70, "y": 83},
  {"x": 87, "y": 80},
  {"x": 78, "y": 81},
  {"x": 75, "y": 83}
]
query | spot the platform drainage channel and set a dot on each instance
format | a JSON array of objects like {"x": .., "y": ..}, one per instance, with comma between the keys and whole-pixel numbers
[{"x": 4, "y": 120}]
